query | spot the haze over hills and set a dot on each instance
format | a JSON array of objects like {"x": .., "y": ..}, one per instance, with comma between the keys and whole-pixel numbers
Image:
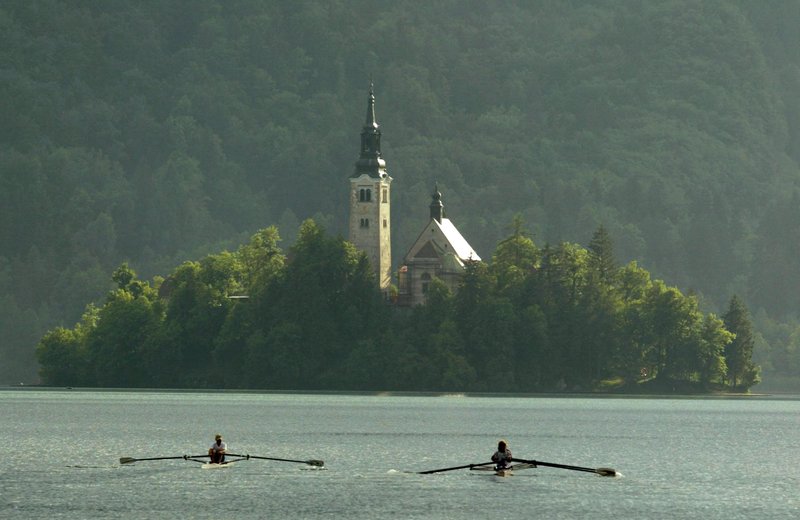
[{"x": 156, "y": 132}]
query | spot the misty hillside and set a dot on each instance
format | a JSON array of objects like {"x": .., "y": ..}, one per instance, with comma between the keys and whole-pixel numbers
[{"x": 154, "y": 132}]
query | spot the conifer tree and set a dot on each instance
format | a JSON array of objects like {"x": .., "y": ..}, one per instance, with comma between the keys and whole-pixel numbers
[
  {"x": 601, "y": 255},
  {"x": 742, "y": 373}
]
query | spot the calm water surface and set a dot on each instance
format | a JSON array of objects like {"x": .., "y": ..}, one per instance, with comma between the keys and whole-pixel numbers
[{"x": 680, "y": 458}]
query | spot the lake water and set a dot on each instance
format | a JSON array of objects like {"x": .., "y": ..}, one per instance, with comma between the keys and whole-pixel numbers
[{"x": 679, "y": 458}]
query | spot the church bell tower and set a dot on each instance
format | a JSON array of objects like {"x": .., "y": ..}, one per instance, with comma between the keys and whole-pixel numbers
[{"x": 370, "y": 224}]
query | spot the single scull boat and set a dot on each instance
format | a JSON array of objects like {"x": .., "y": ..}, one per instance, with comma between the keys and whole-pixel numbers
[
  {"x": 215, "y": 465},
  {"x": 503, "y": 472}
]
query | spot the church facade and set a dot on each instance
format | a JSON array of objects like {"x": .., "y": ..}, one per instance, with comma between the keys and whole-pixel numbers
[{"x": 439, "y": 251}]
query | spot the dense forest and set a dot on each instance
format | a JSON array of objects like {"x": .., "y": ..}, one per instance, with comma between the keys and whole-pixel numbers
[
  {"x": 155, "y": 133},
  {"x": 561, "y": 318}
]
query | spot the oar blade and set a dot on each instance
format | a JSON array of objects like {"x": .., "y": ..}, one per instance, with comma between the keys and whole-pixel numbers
[
  {"x": 127, "y": 460},
  {"x": 606, "y": 472},
  {"x": 317, "y": 463}
]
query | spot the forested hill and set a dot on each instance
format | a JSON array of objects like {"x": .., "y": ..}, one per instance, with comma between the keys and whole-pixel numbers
[{"x": 153, "y": 132}]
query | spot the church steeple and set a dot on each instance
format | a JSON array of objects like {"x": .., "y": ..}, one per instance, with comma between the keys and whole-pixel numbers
[
  {"x": 437, "y": 208},
  {"x": 370, "y": 201},
  {"x": 369, "y": 160}
]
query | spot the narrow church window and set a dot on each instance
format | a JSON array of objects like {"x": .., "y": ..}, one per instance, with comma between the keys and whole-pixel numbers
[
  {"x": 426, "y": 278},
  {"x": 369, "y": 194},
  {"x": 364, "y": 223},
  {"x": 385, "y": 194},
  {"x": 384, "y": 223}
]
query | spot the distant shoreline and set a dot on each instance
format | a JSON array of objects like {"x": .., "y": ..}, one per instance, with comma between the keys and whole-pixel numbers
[{"x": 443, "y": 394}]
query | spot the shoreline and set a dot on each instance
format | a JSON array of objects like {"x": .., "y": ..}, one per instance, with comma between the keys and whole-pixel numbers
[{"x": 440, "y": 394}]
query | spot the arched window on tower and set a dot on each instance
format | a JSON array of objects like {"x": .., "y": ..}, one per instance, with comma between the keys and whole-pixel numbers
[{"x": 369, "y": 195}]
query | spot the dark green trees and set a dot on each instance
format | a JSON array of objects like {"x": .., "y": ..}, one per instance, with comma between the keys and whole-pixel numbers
[
  {"x": 155, "y": 132},
  {"x": 742, "y": 373},
  {"x": 111, "y": 346},
  {"x": 562, "y": 318}
]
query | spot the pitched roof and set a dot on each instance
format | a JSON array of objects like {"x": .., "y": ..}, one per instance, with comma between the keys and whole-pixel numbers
[
  {"x": 459, "y": 244},
  {"x": 438, "y": 239}
]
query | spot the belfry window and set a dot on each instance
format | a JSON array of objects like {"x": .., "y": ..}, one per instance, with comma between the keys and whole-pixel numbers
[{"x": 364, "y": 195}]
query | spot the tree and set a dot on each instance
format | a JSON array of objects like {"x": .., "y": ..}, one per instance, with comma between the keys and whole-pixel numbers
[
  {"x": 742, "y": 373},
  {"x": 261, "y": 258},
  {"x": 116, "y": 345},
  {"x": 673, "y": 318},
  {"x": 515, "y": 257},
  {"x": 714, "y": 339},
  {"x": 601, "y": 256},
  {"x": 62, "y": 358}
]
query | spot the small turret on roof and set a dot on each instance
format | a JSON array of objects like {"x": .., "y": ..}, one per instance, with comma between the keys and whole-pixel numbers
[{"x": 437, "y": 208}]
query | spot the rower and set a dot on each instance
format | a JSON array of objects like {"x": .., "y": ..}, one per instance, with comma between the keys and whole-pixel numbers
[
  {"x": 502, "y": 457},
  {"x": 217, "y": 450}
]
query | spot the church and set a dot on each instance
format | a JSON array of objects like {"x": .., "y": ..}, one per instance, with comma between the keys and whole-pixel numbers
[{"x": 439, "y": 251}]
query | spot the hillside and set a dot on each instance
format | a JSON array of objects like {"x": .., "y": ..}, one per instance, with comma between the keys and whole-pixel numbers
[{"x": 156, "y": 132}]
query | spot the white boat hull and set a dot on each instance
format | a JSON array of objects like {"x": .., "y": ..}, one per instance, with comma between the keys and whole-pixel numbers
[
  {"x": 506, "y": 472},
  {"x": 210, "y": 465}
]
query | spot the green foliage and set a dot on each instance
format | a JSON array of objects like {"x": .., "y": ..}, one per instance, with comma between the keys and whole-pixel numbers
[
  {"x": 317, "y": 321},
  {"x": 62, "y": 358},
  {"x": 742, "y": 372},
  {"x": 514, "y": 257},
  {"x": 151, "y": 133}
]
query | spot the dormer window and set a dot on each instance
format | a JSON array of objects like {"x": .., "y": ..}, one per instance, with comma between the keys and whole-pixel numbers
[{"x": 426, "y": 280}]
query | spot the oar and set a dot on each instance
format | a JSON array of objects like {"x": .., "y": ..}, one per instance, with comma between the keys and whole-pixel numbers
[
  {"x": 470, "y": 466},
  {"x": 311, "y": 462},
  {"x": 128, "y": 460},
  {"x": 603, "y": 472}
]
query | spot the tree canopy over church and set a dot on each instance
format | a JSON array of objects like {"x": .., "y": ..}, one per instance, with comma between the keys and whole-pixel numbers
[{"x": 559, "y": 318}]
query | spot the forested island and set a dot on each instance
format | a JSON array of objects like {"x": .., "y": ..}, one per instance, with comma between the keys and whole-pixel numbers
[
  {"x": 152, "y": 134},
  {"x": 560, "y": 318}
]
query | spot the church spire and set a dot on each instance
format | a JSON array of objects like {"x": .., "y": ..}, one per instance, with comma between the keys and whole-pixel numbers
[
  {"x": 371, "y": 122},
  {"x": 369, "y": 160},
  {"x": 437, "y": 208}
]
